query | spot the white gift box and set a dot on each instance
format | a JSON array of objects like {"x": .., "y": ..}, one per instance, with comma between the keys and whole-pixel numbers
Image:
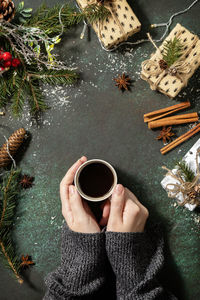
[{"x": 190, "y": 159}]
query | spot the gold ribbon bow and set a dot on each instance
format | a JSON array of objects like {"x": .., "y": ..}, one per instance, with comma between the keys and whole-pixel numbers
[
  {"x": 106, "y": 4},
  {"x": 178, "y": 69},
  {"x": 184, "y": 187}
]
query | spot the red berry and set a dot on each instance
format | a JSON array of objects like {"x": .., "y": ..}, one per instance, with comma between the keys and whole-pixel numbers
[
  {"x": 7, "y": 63},
  {"x": 6, "y": 56},
  {"x": 15, "y": 62},
  {"x": 2, "y": 69}
]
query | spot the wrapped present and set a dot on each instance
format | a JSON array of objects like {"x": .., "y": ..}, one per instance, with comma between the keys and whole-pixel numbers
[
  {"x": 118, "y": 26},
  {"x": 170, "y": 81},
  {"x": 186, "y": 193}
]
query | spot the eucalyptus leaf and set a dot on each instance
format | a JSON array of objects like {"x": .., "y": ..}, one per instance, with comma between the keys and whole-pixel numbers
[
  {"x": 20, "y": 6},
  {"x": 27, "y": 10},
  {"x": 26, "y": 15},
  {"x": 22, "y": 20}
]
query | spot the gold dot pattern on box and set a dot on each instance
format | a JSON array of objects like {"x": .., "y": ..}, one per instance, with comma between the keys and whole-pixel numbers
[
  {"x": 171, "y": 85},
  {"x": 109, "y": 31}
]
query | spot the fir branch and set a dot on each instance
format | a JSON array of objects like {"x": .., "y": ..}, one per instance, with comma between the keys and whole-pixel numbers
[
  {"x": 9, "y": 192},
  {"x": 95, "y": 12},
  {"x": 36, "y": 98},
  {"x": 55, "y": 77},
  {"x": 172, "y": 51},
  {"x": 18, "y": 97},
  {"x": 47, "y": 19},
  {"x": 9, "y": 189},
  {"x": 186, "y": 171},
  {"x": 12, "y": 262}
]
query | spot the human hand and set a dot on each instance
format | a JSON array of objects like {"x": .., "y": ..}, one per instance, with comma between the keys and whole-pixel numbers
[
  {"x": 127, "y": 214},
  {"x": 75, "y": 210}
]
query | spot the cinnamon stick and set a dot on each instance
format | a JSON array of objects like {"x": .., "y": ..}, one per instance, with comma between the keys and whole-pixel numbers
[
  {"x": 180, "y": 139},
  {"x": 183, "y": 116},
  {"x": 174, "y": 120},
  {"x": 157, "y": 114}
]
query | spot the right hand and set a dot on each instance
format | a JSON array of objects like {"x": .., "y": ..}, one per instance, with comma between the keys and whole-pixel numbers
[
  {"x": 127, "y": 214},
  {"x": 76, "y": 211}
]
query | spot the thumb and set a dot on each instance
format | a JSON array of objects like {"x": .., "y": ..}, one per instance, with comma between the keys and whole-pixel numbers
[
  {"x": 105, "y": 213},
  {"x": 117, "y": 203}
]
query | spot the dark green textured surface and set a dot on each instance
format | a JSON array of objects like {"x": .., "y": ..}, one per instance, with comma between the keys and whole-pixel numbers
[{"x": 95, "y": 119}]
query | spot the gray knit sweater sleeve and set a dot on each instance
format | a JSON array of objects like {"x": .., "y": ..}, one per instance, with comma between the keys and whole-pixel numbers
[
  {"x": 136, "y": 259},
  {"x": 82, "y": 270}
]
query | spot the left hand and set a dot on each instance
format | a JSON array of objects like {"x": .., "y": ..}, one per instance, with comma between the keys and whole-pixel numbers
[{"x": 75, "y": 210}]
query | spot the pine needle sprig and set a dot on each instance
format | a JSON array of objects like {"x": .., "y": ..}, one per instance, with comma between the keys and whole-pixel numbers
[
  {"x": 47, "y": 19},
  {"x": 19, "y": 94},
  {"x": 172, "y": 51},
  {"x": 9, "y": 189},
  {"x": 186, "y": 171},
  {"x": 95, "y": 12},
  {"x": 9, "y": 257},
  {"x": 55, "y": 77},
  {"x": 36, "y": 97},
  {"x": 9, "y": 193}
]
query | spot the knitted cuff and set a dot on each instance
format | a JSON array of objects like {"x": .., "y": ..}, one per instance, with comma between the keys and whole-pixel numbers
[
  {"x": 131, "y": 253},
  {"x": 83, "y": 255}
]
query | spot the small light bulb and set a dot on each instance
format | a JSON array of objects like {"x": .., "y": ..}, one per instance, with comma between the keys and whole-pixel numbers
[{"x": 82, "y": 36}]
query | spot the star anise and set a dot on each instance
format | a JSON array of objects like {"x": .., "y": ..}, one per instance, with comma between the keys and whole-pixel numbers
[
  {"x": 26, "y": 181},
  {"x": 26, "y": 261},
  {"x": 122, "y": 82},
  {"x": 165, "y": 134}
]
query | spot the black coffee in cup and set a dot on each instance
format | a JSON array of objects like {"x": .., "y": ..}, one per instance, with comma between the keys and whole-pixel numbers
[{"x": 96, "y": 179}]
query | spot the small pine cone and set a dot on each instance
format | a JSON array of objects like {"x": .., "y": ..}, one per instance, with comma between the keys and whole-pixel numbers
[
  {"x": 14, "y": 141},
  {"x": 163, "y": 65},
  {"x": 192, "y": 195},
  {"x": 197, "y": 189},
  {"x": 7, "y": 10}
]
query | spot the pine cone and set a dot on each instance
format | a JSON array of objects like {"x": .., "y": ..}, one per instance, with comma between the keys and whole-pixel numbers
[
  {"x": 163, "y": 65},
  {"x": 7, "y": 10},
  {"x": 197, "y": 189},
  {"x": 14, "y": 141},
  {"x": 192, "y": 195}
]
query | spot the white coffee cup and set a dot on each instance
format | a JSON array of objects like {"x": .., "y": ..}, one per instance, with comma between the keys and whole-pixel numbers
[{"x": 77, "y": 183}]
